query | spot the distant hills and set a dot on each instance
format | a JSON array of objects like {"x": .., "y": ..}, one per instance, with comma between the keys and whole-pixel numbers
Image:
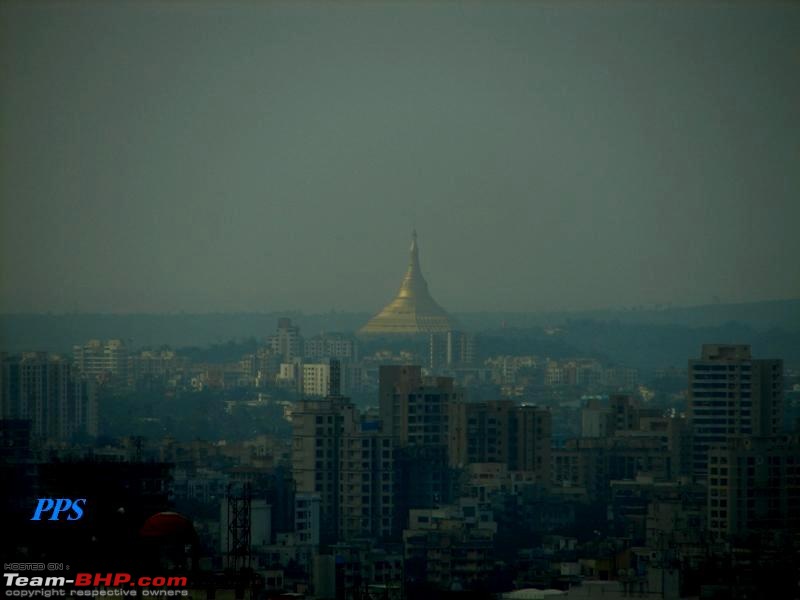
[
  {"x": 642, "y": 337},
  {"x": 772, "y": 314},
  {"x": 59, "y": 332}
]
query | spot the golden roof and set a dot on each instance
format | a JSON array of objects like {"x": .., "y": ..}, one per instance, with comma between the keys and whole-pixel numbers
[{"x": 413, "y": 310}]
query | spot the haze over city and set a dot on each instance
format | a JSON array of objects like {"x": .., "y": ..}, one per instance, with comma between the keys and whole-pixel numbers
[
  {"x": 400, "y": 300},
  {"x": 161, "y": 157}
]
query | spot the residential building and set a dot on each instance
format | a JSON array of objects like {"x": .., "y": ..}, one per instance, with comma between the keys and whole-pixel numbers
[
  {"x": 319, "y": 427},
  {"x": 306, "y": 519},
  {"x": 731, "y": 394},
  {"x": 47, "y": 391},
  {"x": 601, "y": 419},
  {"x": 754, "y": 486},
  {"x": 501, "y": 431},
  {"x": 329, "y": 378},
  {"x": 450, "y": 350},
  {"x": 415, "y": 410},
  {"x": 287, "y": 343},
  {"x": 316, "y": 379},
  {"x": 348, "y": 464},
  {"x": 451, "y": 546},
  {"x": 331, "y": 345},
  {"x": 99, "y": 360},
  {"x": 592, "y": 463},
  {"x": 366, "y": 484}
]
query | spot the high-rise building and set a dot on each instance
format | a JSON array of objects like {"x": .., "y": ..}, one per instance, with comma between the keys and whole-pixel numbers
[
  {"x": 306, "y": 519},
  {"x": 151, "y": 366},
  {"x": 415, "y": 410},
  {"x": 290, "y": 375},
  {"x": 316, "y": 379},
  {"x": 318, "y": 429},
  {"x": 754, "y": 485},
  {"x": 599, "y": 419},
  {"x": 366, "y": 472},
  {"x": 46, "y": 391},
  {"x": 623, "y": 378},
  {"x": 348, "y": 464},
  {"x": 592, "y": 463},
  {"x": 673, "y": 431},
  {"x": 328, "y": 378},
  {"x": 454, "y": 542},
  {"x": 450, "y": 350},
  {"x": 500, "y": 431},
  {"x": 580, "y": 371},
  {"x": 331, "y": 345},
  {"x": 261, "y": 367},
  {"x": 731, "y": 394},
  {"x": 413, "y": 311},
  {"x": 367, "y": 486},
  {"x": 98, "y": 360},
  {"x": 287, "y": 342},
  {"x": 415, "y": 413},
  {"x": 423, "y": 479}
]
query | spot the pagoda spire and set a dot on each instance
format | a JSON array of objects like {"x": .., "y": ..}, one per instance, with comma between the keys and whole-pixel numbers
[
  {"x": 413, "y": 251},
  {"x": 413, "y": 310}
]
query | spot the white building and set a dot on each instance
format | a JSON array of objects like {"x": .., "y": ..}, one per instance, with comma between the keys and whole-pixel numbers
[
  {"x": 97, "y": 359},
  {"x": 316, "y": 379},
  {"x": 260, "y": 525}
]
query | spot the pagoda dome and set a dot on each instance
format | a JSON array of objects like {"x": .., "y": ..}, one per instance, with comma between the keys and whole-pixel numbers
[{"x": 413, "y": 310}]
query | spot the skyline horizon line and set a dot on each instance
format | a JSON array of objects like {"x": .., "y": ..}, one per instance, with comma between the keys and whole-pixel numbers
[{"x": 658, "y": 306}]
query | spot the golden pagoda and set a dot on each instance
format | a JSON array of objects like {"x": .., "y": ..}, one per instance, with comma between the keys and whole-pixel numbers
[{"x": 413, "y": 311}]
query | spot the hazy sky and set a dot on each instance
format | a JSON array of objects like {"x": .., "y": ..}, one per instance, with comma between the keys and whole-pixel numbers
[{"x": 198, "y": 156}]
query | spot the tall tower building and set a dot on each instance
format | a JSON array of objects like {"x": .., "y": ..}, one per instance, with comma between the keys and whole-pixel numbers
[
  {"x": 415, "y": 410},
  {"x": 46, "y": 391},
  {"x": 500, "y": 431},
  {"x": 599, "y": 419},
  {"x": 331, "y": 345},
  {"x": 327, "y": 378},
  {"x": 415, "y": 413},
  {"x": 287, "y": 342},
  {"x": 731, "y": 394},
  {"x": 97, "y": 359},
  {"x": 754, "y": 484},
  {"x": 319, "y": 426},
  {"x": 413, "y": 311},
  {"x": 451, "y": 350},
  {"x": 316, "y": 379},
  {"x": 366, "y": 507},
  {"x": 346, "y": 464}
]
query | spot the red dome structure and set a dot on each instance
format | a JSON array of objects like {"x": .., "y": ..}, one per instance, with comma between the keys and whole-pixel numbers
[{"x": 168, "y": 525}]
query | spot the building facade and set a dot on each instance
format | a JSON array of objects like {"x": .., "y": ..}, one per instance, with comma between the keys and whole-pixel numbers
[
  {"x": 501, "y": 431},
  {"x": 287, "y": 343},
  {"x": 731, "y": 394},
  {"x": 415, "y": 410},
  {"x": 48, "y": 392},
  {"x": 754, "y": 486},
  {"x": 98, "y": 360}
]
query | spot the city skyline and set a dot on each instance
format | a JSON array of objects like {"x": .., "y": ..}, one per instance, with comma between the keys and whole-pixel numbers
[
  {"x": 458, "y": 300},
  {"x": 157, "y": 158}
]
